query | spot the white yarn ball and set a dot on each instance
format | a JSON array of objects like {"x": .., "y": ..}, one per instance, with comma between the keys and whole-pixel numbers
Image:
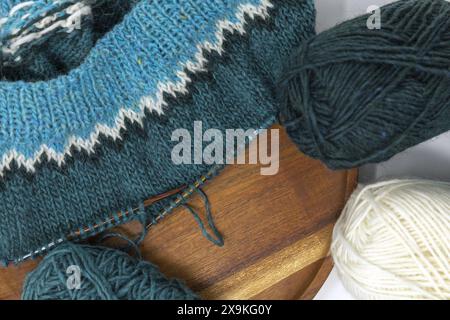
[{"x": 393, "y": 241}]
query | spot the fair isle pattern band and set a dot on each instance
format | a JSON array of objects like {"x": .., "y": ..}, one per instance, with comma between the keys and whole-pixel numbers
[
  {"x": 237, "y": 90},
  {"x": 26, "y": 27},
  {"x": 153, "y": 103}
]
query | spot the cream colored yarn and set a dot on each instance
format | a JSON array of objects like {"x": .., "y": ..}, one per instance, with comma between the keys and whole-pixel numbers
[{"x": 393, "y": 241}]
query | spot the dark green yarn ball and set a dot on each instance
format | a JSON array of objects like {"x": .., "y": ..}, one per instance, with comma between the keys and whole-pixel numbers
[
  {"x": 105, "y": 274},
  {"x": 352, "y": 95}
]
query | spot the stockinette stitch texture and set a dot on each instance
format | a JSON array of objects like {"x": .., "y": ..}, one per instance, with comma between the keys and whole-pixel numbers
[{"x": 95, "y": 140}]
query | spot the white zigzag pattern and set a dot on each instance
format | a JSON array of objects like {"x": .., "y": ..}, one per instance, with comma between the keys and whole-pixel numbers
[
  {"x": 151, "y": 103},
  {"x": 46, "y": 25}
]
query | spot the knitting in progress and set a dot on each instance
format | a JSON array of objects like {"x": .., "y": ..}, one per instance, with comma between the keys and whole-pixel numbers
[
  {"x": 84, "y": 143},
  {"x": 353, "y": 95},
  {"x": 392, "y": 241},
  {"x": 91, "y": 92}
]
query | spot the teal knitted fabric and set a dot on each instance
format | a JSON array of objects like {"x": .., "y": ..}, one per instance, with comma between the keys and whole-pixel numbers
[{"x": 92, "y": 136}]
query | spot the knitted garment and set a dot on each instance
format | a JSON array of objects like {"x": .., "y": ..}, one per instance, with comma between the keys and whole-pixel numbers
[
  {"x": 79, "y": 144},
  {"x": 52, "y": 23}
]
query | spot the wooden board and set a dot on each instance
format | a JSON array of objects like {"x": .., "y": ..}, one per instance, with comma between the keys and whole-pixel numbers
[{"x": 277, "y": 232}]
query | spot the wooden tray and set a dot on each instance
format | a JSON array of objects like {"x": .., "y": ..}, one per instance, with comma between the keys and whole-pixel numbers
[{"x": 277, "y": 232}]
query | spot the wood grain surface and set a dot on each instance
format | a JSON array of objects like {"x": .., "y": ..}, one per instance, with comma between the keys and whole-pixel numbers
[{"x": 277, "y": 232}]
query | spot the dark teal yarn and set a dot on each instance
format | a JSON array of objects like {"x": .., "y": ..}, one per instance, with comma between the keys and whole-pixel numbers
[
  {"x": 105, "y": 274},
  {"x": 352, "y": 96}
]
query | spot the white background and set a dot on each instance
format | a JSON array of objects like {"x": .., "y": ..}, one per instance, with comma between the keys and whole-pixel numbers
[{"x": 429, "y": 160}]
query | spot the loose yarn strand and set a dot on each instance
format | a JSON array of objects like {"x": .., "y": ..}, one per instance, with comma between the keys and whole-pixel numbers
[{"x": 217, "y": 238}]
